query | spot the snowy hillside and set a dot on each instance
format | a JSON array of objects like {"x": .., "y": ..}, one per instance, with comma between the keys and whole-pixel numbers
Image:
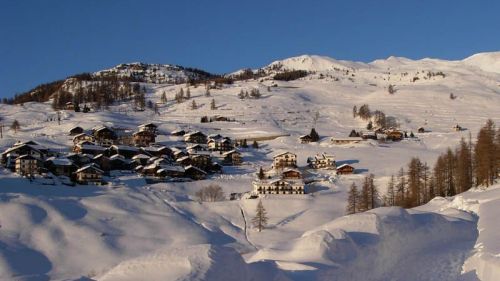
[
  {"x": 130, "y": 230},
  {"x": 154, "y": 73}
]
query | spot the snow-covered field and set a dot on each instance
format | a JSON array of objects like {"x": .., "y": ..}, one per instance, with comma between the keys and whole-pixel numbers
[{"x": 130, "y": 230}]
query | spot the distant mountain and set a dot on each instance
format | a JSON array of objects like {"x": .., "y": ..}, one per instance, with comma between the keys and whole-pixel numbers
[{"x": 485, "y": 61}]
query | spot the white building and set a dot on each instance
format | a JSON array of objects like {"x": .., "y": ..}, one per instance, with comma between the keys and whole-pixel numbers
[
  {"x": 278, "y": 186},
  {"x": 323, "y": 161}
]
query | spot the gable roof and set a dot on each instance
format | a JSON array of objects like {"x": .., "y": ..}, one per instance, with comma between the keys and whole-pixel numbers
[
  {"x": 283, "y": 153},
  {"x": 90, "y": 166}
]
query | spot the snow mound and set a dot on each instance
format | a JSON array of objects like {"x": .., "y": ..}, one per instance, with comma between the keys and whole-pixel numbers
[
  {"x": 199, "y": 262},
  {"x": 375, "y": 244}
]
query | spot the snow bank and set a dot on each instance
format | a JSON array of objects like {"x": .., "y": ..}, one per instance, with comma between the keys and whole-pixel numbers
[{"x": 200, "y": 262}]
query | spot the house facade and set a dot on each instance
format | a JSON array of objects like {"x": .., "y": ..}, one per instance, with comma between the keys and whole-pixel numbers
[
  {"x": 323, "y": 161},
  {"x": 284, "y": 160},
  {"x": 143, "y": 138},
  {"x": 89, "y": 174},
  {"x": 278, "y": 186},
  {"x": 27, "y": 165}
]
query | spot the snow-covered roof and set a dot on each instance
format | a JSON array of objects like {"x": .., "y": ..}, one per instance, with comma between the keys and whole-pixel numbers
[
  {"x": 347, "y": 139},
  {"x": 90, "y": 166},
  {"x": 171, "y": 168},
  {"x": 141, "y": 156},
  {"x": 60, "y": 161},
  {"x": 230, "y": 152},
  {"x": 189, "y": 167},
  {"x": 283, "y": 153},
  {"x": 344, "y": 165},
  {"x": 125, "y": 147},
  {"x": 91, "y": 147}
]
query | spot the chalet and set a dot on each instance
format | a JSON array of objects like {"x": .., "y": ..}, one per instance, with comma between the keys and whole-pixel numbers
[
  {"x": 219, "y": 143},
  {"x": 285, "y": 159},
  {"x": 27, "y": 165},
  {"x": 305, "y": 139},
  {"x": 201, "y": 161},
  {"x": 323, "y": 161},
  {"x": 457, "y": 128},
  {"x": 291, "y": 174},
  {"x": 172, "y": 171},
  {"x": 89, "y": 174},
  {"x": 395, "y": 135},
  {"x": 32, "y": 149},
  {"x": 82, "y": 137},
  {"x": 141, "y": 159},
  {"x": 157, "y": 150},
  {"x": 196, "y": 148},
  {"x": 348, "y": 140},
  {"x": 345, "y": 169},
  {"x": 369, "y": 135},
  {"x": 184, "y": 161},
  {"x": 178, "y": 133},
  {"x": 421, "y": 130},
  {"x": 194, "y": 173},
  {"x": 195, "y": 137},
  {"x": 232, "y": 157},
  {"x": 80, "y": 159},
  {"x": 278, "y": 186},
  {"x": 124, "y": 137},
  {"x": 89, "y": 149},
  {"x": 60, "y": 166},
  {"x": 215, "y": 168},
  {"x": 178, "y": 153},
  {"x": 75, "y": 131},
  {"x": 70, "y": 106},
  {"x": 103, "y": 161},
  {"x": 118, "y": 162},
  {"x": 149, "y": 127},
  {"x": 104, "y": 136},
  {"x": 124, "y": 150},
  {"x": 143, "y": 138}
]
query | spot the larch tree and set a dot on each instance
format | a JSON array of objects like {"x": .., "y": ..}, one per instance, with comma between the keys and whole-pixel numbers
[
  {"x": 352, "y": 200},
  {"x": 390, "y": 196},
  {"x": 212, "y": 104},
  {"x": 15, "y": 126},
  {"x": 194, "y": 105},
  {"x": 260, "y": 219},
  {"x": 485, "y": 155}
]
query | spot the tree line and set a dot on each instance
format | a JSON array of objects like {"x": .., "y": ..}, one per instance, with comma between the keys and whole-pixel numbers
[{"x": 455, "y": 171}]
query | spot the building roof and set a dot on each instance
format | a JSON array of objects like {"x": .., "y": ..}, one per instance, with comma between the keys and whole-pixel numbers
[
  {"x": 60, "y": 161},
  {"x": 230, "y": 152},
  {"x": 344, "y": 165},
  {"x": 283, "y": 153},
  {"x": 191, "y": 167},
  {"x": 27, "y": 157},
  {"x": 90, "y": 166},
  {"x": 91, "y": 147},
  {"x": 347, "y": 139},
  {"x": 141, "y": 156},
  {"x": 125, "y": 147},
  {"x": 171, "y": 168}
]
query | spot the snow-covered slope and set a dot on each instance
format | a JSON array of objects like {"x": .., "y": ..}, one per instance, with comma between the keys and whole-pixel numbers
[
  {"x": 130, "y": 228},
  {"x": 485, "y": 61}
]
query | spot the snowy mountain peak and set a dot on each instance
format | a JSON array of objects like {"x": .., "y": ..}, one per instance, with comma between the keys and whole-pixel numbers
[
  {"x": 312, "y": 63},
  {"x": 489, "y": 61}
]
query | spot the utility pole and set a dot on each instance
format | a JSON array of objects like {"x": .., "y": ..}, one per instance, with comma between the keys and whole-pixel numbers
[{"x": 1, "y": 131}]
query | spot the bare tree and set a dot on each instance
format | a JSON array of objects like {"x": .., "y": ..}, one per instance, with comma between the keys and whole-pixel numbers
[
  {"x": 15, "y": 126},
  {"x": 260, "y": 219},
  {"x": 210, "y": 193},
  {"x": 352, "y": 200}
]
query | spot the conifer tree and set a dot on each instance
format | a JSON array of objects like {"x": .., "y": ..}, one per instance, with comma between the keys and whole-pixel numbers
[
  {"x": 212, "y": 104},
  {"x": 260, "y": 219},
  {"x": 244, "y": 144},
  {"x": 390, "y": 196},
  {"x": 255, "y": 144},
  {"x": 352, "y": 200},
  {"x": 194, "y": 105},
  {"x": 485, "y": 155},
  {"x": 261, "y": 174},
  {"x": 314, "y": 135},
  {"x": 188, "y": 93}
]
